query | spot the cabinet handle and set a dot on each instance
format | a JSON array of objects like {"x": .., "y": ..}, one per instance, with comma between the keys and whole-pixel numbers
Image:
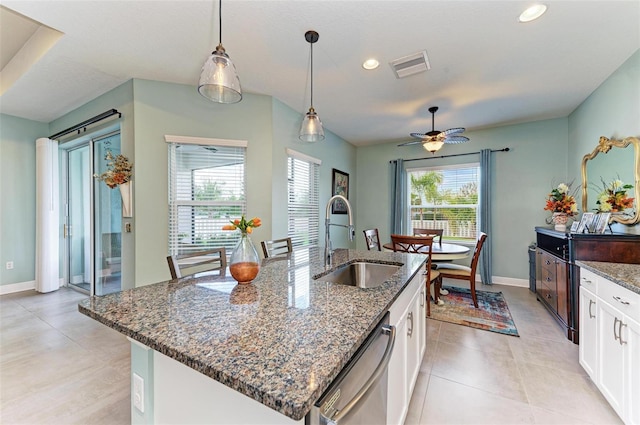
[
  {"x": 591, "y": 315},
  {"x": 548, "y": 262},
  {"x": 615, "y": 322},
  {"x": 410, "y": 319},
  {"x": 548, "y": 279},
  {"x": 585, "y": 280},
  {"x": 549, "y": 296},
  {"x": 621, "y": 301},
  {"x": 422, "y": 297},
  {"x": 620, "y": 332}
]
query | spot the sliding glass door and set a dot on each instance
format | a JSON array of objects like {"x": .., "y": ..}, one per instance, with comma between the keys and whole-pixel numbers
[{"x": 93, "y": 220}]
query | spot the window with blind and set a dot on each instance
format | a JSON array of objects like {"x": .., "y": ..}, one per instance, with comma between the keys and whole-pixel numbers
[
  {"x": 206, "y": 191},
  {"x": 445, "y": 198},
  {"x": 303, "y": 204}
]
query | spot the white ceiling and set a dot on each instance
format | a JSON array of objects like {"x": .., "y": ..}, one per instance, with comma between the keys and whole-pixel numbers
[{"x": 487, "y": 69}]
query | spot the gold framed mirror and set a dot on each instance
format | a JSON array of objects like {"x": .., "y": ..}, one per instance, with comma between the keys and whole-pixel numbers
[{"x": 620, "y": 160}]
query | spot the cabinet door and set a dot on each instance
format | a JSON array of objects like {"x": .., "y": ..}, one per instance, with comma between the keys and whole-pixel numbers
[
  {"x": 423, "y": 321},
  {"x": 610, "y": 355},
  {"x": 397, "y": 397},
  {"x": 588, "y": 333},
  {"x": 413, "y": 342},
  {"x": 631, "y": 335},
  {"x": 562, "y": 290}
]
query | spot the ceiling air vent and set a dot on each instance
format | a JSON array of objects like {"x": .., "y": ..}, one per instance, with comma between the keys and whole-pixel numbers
[{"x": 410, "y": 65}]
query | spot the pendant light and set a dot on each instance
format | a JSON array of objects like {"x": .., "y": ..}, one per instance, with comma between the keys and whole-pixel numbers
[
  {"x": 311, "y": 130},
  {"x": 219, "y": 80}
]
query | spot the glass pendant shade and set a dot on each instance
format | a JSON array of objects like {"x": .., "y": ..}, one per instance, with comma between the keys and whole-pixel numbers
[
  {"x": 311, "y": 129},
  {"x": 433, "y": 146},
  {"x": 219, "y": 81}
]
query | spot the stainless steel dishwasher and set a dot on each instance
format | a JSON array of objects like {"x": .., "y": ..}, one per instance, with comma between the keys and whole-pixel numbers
[{"x": 358, "y": 395}]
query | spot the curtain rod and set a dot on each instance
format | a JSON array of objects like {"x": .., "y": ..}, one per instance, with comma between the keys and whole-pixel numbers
[
  {"x": 450, "y": 156},
  {"x": 84, "y": 124}
]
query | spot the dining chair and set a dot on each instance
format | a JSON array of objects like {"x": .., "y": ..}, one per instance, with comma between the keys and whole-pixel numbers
[
  {"x": 456, "y": 271},
  {"x": 429, "y": 232},
  {"x": 372, "y": 239},
  {"x": 197, "y": 262},
  {"x": 276, "y": 247},
  {"x": 421, "y": 245}
]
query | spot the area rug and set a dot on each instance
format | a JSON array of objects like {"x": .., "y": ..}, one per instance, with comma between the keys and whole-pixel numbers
[{"x": 492, "y": 313}]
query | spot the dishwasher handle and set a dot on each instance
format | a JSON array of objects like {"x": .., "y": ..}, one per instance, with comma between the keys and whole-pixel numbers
[{"x": 373, "y": 379}]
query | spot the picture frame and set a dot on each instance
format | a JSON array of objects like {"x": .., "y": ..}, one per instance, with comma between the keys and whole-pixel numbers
[
  {"x": 585, "y": 222},
  {"x": 339, "y": 186},
  {"x": 601, "y": 222},
  {"x": 574, "y": 227}
]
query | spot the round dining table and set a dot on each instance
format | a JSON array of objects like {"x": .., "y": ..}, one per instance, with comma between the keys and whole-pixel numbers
[{"x": 442, "y": 252}]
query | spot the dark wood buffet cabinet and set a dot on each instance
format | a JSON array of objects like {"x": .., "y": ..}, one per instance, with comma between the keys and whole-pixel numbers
[{"x": 557, "y": 275}]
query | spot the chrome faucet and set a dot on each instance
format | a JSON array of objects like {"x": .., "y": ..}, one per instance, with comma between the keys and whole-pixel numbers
[{"x": 328, "y": 251}]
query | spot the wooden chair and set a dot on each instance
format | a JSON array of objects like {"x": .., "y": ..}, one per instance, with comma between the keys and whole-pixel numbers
[
  {"x": 197, "y": 262},
  {"x": 429, "y": 232},
  {"x": 276, "y": 247},
  {"x": 421, "y": 245},
  {"x": 372, "y": 239},
  {"x": 456, "y": 271}
]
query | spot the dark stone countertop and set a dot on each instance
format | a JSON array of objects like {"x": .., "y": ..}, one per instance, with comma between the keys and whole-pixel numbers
[
  {"x": 280, "y": 340},
  {"x": 625, "y": 275}
]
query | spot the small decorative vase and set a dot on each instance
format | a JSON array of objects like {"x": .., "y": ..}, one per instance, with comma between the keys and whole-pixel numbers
[
  {"x": 127, "y": 201},
  {"x": 244, "y": 263},
  {"x": 560, "y": 220}
]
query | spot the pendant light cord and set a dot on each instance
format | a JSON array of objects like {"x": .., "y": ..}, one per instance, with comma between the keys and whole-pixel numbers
[
  {"x": 311, "y": 75},
  {"x": 220, "y": 20}
]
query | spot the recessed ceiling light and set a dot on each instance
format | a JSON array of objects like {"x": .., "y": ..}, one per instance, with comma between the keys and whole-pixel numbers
[
  {"x": 370, "y": 64},
  {"x": 532, "y": 13}
]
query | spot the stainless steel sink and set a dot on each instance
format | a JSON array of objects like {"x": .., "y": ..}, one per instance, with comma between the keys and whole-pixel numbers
[{"x": 361, "y": 274}]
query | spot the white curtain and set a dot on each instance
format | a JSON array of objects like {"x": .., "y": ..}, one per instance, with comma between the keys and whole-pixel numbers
[{"x": 47, "y": 216}]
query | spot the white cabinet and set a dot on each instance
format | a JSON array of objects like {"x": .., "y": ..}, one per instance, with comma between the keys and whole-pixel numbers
[
  {"x": 616, "y": 370},
  {"x": 588, "y": 323},
  {"x": 408, "y": 315}
]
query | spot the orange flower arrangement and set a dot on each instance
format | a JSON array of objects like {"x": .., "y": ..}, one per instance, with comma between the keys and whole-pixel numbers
[
  {"x": 245, "y": 226},
  {"x": 118, "y": 170},
  {"x": 614, "y": 197},
  {"x": 561, "y": 201}
]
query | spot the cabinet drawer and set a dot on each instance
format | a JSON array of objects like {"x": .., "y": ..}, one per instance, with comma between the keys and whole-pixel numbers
[
  {"x": 619, "y": 297},
  {"x": 548, "y": 277},
  {"x": 589, "y": 280},
  {"x": 549, "y": 295}
]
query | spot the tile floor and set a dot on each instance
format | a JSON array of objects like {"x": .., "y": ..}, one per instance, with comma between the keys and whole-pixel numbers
[{"x": 468, "y": 376}]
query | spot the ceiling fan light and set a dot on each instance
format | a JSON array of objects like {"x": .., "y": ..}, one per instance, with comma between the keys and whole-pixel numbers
[
  {"x": 311, "y": 130},
  {"x": 433, "y": 145},
  {"x": 219, "y": 81}
]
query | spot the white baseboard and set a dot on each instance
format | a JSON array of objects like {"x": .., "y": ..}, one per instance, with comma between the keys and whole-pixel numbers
[
  {"x": 17, "y": 287},
  {"x": 511, "y": 281}
]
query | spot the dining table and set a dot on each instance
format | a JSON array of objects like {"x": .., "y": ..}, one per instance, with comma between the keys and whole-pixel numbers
[{"x": 442, "y": 251}]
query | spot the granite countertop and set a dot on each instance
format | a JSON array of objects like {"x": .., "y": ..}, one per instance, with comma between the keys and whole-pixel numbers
[
  {"x": 280, "y": 340},
  {"x": 626, "y": 275}
]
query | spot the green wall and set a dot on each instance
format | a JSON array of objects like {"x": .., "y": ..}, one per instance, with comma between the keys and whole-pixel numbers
[
  {"x": 18, "y": 197},
  {"x": 521, "y": 180},
  {"x": 613, "y": 111}
]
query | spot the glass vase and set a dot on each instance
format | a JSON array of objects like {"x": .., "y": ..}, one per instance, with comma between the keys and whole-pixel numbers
[{"x": 244, "y": 263}]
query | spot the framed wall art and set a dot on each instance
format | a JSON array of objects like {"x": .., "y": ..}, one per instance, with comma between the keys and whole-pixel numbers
[{"x": 339, "y": 186}]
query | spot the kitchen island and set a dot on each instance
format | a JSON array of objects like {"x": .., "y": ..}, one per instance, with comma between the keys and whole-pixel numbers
[{"x": 279, "y": 341}]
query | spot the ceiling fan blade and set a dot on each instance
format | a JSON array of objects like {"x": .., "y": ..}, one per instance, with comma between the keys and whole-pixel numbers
[
  {"x": 453, "y": 131},
  {"x": 413, "y": 142},
  {"x": 419, "y": 135},
  {"x": 455, "y": 139}
]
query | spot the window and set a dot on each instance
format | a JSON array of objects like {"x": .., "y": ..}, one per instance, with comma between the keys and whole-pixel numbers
[
  {"x": 303, "y": 206},
  {"x": 445, "y": 198},
  {"x": 206, "y": 190}
]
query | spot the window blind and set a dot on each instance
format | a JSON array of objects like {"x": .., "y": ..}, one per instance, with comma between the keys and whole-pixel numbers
[
  {"x": 303, "y": 201},
  {"x": 206, "y": 191}
]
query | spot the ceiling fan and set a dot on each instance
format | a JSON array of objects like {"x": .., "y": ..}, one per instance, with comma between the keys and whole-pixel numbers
[{"x": 433, "y": 140}]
